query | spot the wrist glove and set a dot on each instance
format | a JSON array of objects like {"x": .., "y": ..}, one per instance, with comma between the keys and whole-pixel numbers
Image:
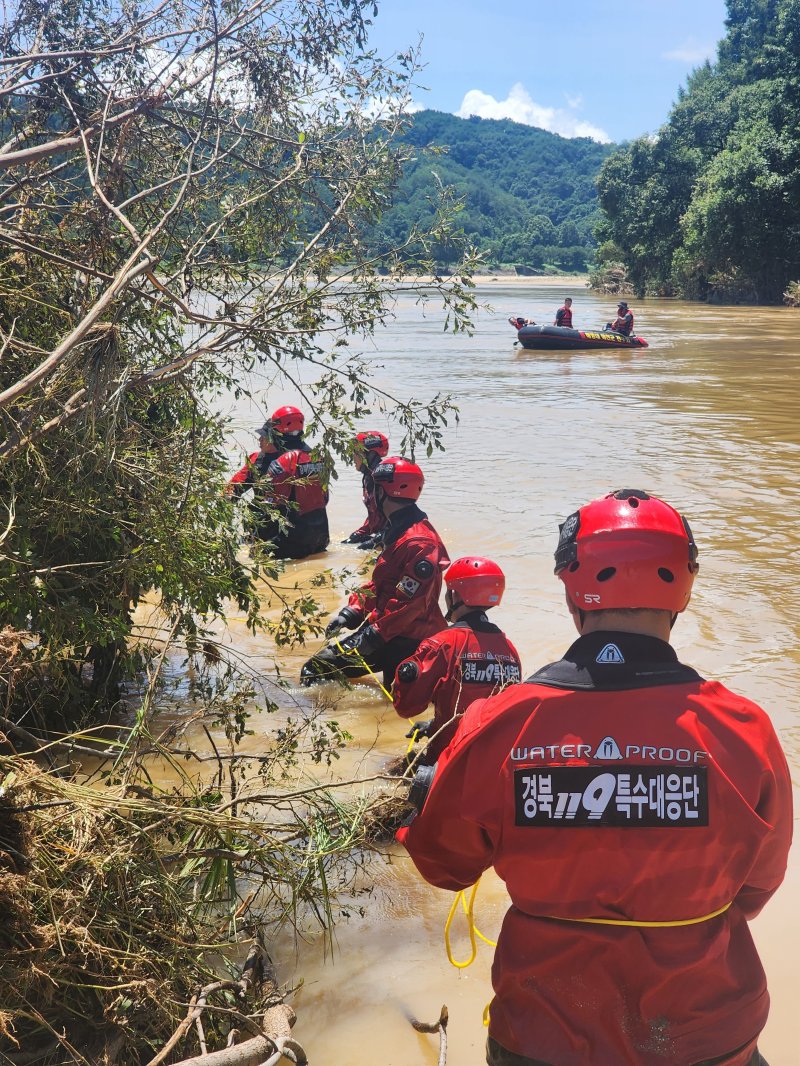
[
  {"x": 407, "y": 671},
  {"x": 357, "y": 538},
  {"x": 375, "y": 541},
  {"x": 347, "y": 618},
  {"x": 421, "y": 729},
  {"x": 367, "y": 641}
]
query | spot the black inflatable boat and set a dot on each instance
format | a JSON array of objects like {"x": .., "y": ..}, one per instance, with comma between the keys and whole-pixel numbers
[{"x": 552, "y": 338}]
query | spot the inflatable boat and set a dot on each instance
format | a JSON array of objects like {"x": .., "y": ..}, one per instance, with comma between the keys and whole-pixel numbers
[{"x": 553, "y": 338}]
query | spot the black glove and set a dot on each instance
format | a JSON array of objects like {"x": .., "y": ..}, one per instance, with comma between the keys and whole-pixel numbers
[
  {"x": 347, "y": 618},
  {"x": 366, "y": 641},
  {"x": 374, "y": 541},
  {"x": 407, "y": 671},
  {"x": 357, "y": 538},
  {"x": 421, "y": 729}
]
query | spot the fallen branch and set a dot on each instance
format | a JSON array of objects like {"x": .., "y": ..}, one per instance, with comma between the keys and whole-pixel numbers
[
  {"x": 273, "y": 1040},
  {"x": 439, "y": 1027},
  {"x": 252, "y": 1053}
]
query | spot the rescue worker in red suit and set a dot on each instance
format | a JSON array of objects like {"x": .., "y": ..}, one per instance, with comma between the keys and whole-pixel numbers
[
  {"x": 370, "y": 448},
  {"x": 468, "y": 661},
  {"x": 623, "y": 323},
  {"x": 289, "y": 498},
  {"x": 639, "y": 815},
  {"x": 399, "y": 606},
  {"x": 564, "y": 314}
]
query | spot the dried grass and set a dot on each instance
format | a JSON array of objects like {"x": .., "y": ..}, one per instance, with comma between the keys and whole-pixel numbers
[{"x": 120, "y": 902}]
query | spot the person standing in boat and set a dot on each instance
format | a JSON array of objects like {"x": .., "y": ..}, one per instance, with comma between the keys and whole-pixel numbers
[
  {"x": 564, "y": 314},
  {"x": 623, "y": 323},
  {"x": 394, "y": 611},
  {"x": 469, "y": 660},
  {"x": 639, "y": 814}
]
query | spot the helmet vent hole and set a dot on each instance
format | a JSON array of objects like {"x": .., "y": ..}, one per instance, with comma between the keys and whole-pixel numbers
[
  {"x": 606, "y": 573},
  {"x": 632, "y": 501},
  {"x": 573, "y": 566},
  {"x": 666, "y": 575}
]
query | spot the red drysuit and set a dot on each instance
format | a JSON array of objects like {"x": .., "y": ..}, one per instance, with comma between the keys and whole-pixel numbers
[
  {"x": 616, "y": 784},
  {"x": 295, "y": 476},
  {"x": 469, "y": 661},
  {"x": 402, "y": 598},
  {"x": 375, "y": 520}
]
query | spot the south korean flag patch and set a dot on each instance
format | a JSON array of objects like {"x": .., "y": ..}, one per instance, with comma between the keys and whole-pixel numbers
[{"x": 407, "y": 586}]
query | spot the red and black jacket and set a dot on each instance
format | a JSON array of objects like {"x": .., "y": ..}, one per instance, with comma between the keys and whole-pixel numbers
[
  {"x": 564, "y": 317},
  {"x": 616, "y": 785},
  {"x": 468, "y": 661},
  {"x": 624, "y": 324},
  {"x": 375, "y": 520},
  {"x": 402, "y": 597},
  {"x": 295, "y": 481},
  {"x": 254, "y": 469}
]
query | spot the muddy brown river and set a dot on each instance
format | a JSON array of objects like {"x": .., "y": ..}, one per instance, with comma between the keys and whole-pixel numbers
[{"x": 708, "y": 418}]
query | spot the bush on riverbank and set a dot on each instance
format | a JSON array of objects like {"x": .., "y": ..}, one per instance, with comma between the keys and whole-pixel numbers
[{"x": 121, "y": 900}]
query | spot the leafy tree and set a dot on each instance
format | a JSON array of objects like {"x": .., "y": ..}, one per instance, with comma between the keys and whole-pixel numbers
[
  {"x": 184, "y": 193},
  {"x": 710, "y": 207}
]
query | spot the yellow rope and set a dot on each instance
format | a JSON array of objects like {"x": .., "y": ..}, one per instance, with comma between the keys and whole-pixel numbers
[
  {"x": 357, "y": 654},
  {"x": 468, "y": 908},
  {"x": 642, "y": 925},
  {"x": 470, "y": 926},
  {"x": 469, "y": 905},
  {"x": 478, "y": 933},
  {"x": 411, "y": 742}
]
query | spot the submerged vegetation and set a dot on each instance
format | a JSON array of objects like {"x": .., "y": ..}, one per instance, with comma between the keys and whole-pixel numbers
[{"x": 126, "y": 904}]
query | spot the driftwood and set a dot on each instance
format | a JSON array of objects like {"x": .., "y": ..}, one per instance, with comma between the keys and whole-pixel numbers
[
  {"x": 439, "y": 1027},
  {"x": 271, "y": 1042},
  {"x": 261, "y": 1051}
]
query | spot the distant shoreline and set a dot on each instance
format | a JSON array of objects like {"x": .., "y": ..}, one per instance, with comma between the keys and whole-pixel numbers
[{"x": 549, "y": 281}]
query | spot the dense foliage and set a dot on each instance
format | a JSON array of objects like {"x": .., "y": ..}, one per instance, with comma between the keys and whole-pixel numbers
[
  {"x": 183, "y": 187},
  {"x": 528, "y": 195},
  {"x": 710, "y": 208}
]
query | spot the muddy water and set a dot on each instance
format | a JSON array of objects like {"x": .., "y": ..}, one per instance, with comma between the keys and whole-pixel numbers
[{"x": 706, "y": 417}]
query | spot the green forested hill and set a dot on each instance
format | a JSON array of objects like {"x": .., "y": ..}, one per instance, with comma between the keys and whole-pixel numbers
[
  {"x": 710, "y": 209},
  {"x": 529, "y": 194}
]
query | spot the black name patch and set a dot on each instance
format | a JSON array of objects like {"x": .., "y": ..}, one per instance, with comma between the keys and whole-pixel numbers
[
  {"x": 628, "y": 797},
  {"x": 486, "y": 670}
]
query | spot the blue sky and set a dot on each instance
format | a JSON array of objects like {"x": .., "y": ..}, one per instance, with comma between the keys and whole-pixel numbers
[{"x": 608, "y": 69}]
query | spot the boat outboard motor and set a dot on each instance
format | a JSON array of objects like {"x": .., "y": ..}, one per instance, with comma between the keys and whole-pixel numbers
[{"x": 420, "y": 786}]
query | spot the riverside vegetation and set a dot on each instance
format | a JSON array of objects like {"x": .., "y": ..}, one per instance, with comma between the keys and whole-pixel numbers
[
  {"x": 184, "y": 194},
  {"x": 709, "y": 208}
]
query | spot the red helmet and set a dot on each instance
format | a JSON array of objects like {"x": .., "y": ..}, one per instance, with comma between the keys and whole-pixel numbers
[
  {"x": 288, "y": 420},
  {"x": 479, "y": 582},
  {"x": 399, "y": 478},
  {"x": 627, "y": 549},
  {"x": 371, "y": 441}
]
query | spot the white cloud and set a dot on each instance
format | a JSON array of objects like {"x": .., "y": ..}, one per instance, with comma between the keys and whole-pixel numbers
[
  {"x": 690, "y": 51},
  {"x": 519, "y": 106},
  {"x": 386, "y": 106}
]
